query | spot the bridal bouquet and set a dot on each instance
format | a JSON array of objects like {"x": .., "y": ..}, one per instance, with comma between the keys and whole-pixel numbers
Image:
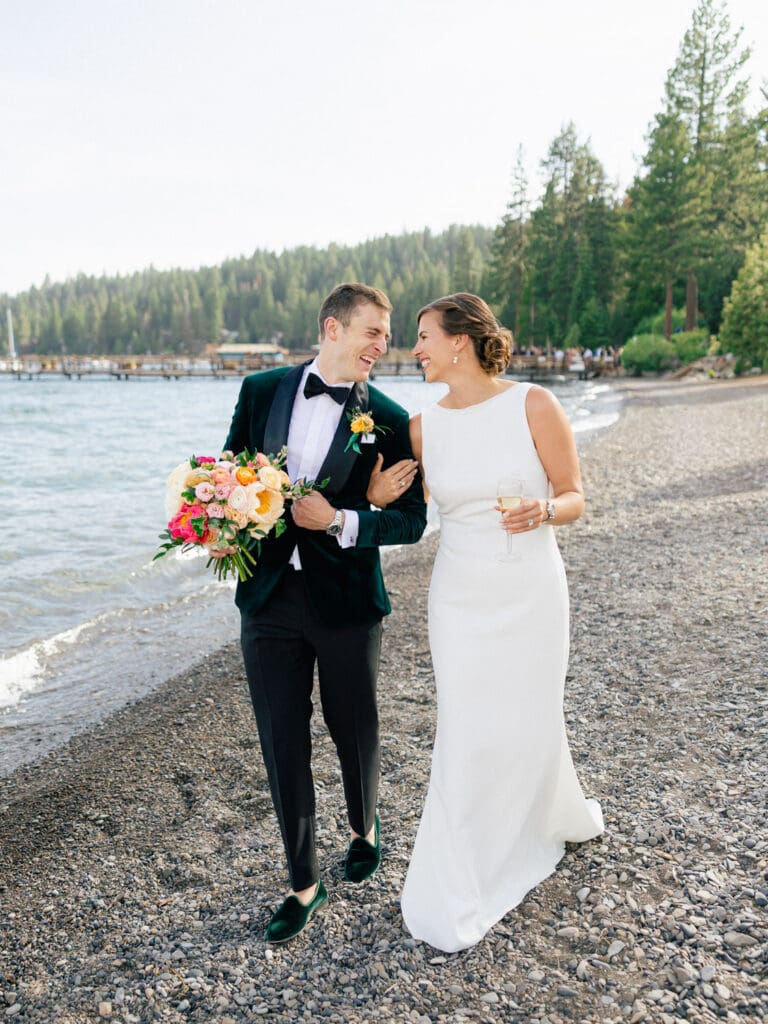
[{"x": 227, "y": 506}]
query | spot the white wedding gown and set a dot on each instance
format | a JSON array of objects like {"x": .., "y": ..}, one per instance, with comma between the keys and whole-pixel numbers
[{"x": 503, "y": 794}]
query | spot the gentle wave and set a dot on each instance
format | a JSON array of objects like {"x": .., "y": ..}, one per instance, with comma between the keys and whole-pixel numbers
[
  {"x": 594, "y": 421},
  {"x": 25, "y": 670},
  {"x": 22, "y": 672}
]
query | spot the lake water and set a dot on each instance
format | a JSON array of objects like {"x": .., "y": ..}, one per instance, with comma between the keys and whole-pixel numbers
[{"x": 88, "y": 622}]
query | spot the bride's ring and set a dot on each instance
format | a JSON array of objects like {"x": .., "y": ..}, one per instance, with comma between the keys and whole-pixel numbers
[{"x": 530, "y": 522}]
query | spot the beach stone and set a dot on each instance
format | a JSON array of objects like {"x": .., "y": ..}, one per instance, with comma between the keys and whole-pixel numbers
[
  {"x": 105, "y": 1009},
  {"x": 722, "y": 994},
  {"x": 686, "y": 975},
  {"x": 739, "y": 939}
]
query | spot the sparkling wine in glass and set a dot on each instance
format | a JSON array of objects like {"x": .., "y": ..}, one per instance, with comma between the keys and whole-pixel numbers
[{"x": 509, "y": 494}]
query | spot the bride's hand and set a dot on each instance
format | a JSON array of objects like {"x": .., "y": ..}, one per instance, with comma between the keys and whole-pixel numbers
[
  {"x": 385, "y": 487},
  {"x": 527, "y": 516}
]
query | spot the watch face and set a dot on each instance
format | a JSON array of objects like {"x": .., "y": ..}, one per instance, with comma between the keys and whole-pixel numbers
[{"x": 334, "y": 529}]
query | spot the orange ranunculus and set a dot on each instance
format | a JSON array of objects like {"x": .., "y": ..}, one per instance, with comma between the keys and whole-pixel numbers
[
  {"x": 362, "y": 424},
  {"x": 245, "y": 475}
]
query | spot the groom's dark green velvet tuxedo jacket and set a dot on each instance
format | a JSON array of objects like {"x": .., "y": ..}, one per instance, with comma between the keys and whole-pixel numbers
[{"x": 344, "y": 585}]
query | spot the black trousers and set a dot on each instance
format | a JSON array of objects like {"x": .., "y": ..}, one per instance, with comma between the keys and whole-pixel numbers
[{"x": 281, "y": 644}]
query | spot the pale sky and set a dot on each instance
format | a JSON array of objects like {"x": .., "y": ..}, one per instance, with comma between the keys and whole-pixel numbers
[{"x": 183, "y": 132}]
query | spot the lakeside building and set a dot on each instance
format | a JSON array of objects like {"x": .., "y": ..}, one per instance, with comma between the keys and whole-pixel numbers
[{"x": 234, "y": 355}]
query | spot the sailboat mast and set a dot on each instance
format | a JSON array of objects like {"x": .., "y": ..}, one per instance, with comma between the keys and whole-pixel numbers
[{"x": 11, "y": 340}]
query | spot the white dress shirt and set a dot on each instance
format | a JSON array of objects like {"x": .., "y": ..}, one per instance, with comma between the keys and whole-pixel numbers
[{"x": 314, "y": 422}]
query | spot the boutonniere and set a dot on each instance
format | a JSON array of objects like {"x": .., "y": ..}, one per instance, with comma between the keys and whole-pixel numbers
[{"x": 362, "y": 429}]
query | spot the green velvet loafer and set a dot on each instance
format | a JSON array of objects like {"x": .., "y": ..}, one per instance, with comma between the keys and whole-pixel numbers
[
  {"x": 363, "y": 858},
  {"x": 292, "y": 916}
]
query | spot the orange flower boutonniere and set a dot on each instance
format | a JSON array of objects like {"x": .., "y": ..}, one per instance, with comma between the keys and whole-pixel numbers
[{"x": 362, "y": 429}]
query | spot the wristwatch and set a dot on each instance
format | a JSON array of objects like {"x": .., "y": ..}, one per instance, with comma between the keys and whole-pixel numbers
[
  {"x": 336, "y": 525},
  {"x": 550, "y": 512}
]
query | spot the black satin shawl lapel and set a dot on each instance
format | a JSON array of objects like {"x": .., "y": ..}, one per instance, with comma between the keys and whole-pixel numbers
[
  {"x": 279, "y": 418},
  {"x": 338, "y": 463}
]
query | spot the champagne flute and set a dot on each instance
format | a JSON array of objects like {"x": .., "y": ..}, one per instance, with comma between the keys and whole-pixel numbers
[{"x": 509, "y": 494}]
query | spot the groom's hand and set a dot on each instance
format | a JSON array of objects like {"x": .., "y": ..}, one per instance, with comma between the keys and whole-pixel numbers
[{"x": 312, "y": 512}]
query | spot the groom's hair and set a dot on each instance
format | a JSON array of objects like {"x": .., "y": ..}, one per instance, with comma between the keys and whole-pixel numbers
[{"x": 345, "y": 299}]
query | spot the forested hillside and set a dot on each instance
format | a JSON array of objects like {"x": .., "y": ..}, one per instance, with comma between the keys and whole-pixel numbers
[{"x": 259, "y": 297}]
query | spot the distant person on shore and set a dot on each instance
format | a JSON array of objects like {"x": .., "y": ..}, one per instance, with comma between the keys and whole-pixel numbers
[
  {"x": 500, "y": 461},
  {"x": 317, "y": 595}
]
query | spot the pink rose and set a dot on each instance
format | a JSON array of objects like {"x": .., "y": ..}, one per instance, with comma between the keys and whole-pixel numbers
[
  {"x": 215, "y": 510},
  {"x": 181, "y": 525},
  {"x": 222, "y": 491},
  {"x": 262, "y": 460},
  {"x": 221, "y": 475},
  {"x": 204, "y": 491},
  {"x": 204, "y": 458}
]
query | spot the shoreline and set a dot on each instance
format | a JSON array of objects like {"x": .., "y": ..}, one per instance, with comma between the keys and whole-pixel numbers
[{"x": 142, "y": 860}]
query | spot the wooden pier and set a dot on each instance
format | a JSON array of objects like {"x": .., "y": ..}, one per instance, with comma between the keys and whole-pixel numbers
[
  {"x": 530, "y": 368},
  {"x": 129, "y": 367}
]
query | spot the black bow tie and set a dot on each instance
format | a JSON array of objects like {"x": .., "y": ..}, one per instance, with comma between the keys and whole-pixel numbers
[{"x": 314, "y": 385}]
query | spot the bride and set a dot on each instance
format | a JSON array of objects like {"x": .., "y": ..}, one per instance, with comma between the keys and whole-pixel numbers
[{"x": 499, "y": 460}]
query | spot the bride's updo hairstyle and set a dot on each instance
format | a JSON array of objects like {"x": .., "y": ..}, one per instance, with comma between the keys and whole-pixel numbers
[{"x": 464, "y": 313}]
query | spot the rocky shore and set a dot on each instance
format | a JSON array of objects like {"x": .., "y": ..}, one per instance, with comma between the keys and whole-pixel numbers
[{"x": 139, "y": 864}]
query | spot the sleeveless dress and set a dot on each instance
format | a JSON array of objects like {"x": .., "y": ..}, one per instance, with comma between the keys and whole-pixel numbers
[{"x": 503, "y": 794}]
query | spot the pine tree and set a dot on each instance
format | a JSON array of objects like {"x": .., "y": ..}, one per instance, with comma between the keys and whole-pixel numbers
[
  {"x": 505, "y": 274},
  {"x": 572, "y": 233},
  {"x": 704, "y": 90},
  {"x": 662, "y": 212}
]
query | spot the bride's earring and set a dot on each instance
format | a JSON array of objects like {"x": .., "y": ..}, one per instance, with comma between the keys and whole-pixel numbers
[{"x": 455, "y": 360}]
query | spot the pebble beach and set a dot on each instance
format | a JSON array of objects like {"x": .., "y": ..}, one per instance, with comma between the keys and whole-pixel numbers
[{"x": 140, "y": 863}]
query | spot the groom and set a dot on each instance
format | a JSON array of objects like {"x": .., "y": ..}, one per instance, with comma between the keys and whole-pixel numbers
[{"x": 317, "y": 594}]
